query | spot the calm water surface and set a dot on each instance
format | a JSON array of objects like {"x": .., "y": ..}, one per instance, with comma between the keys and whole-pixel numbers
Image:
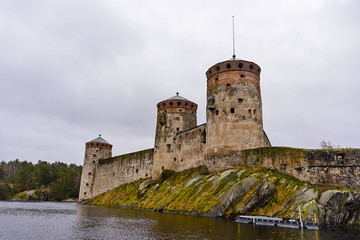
[{"x": 51, "y": 220}]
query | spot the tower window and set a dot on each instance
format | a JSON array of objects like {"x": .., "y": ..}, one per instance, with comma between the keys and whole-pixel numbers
[
  {"x": 192, "y": 106},
  {"x": 249, "y": 111},
  {"x": 178, "y": 103},
  {"x": 186, "y": 104},
  {"x": 177, "y": 129},
  {"x": 242, "y": 75},
  {"x": 217, "y": 68},
  {"x": 217, "y": 112},
  {"x": 137, "y": 170},
  {"x": 251, "y": 67},
  {"x": 254, "y": 111},
  {"x": 240, "y": 65},
  {"x": 87, "y": 184},
  {"x": 228, "y": 65},
  {"x": 216, "y": 79},
  {"x": 240, "y": 101},
  {"x": 162, "y": 168},
  {"x": 180, "y": 110},
  {"x": 94, "y": 155},
  {"x": 164, "y": 104},
  {"x": 232, "y": 110},
  {"x": 89, "y": 173},
  {"x": 168, "y": 147},
  {"x": 84, "y": 193},
  {"x": 174, "y": 159},
  {"x": 210, "y": 72},
  {"x": 228, "y": 85},
  {"x": 171, "y": 103}
]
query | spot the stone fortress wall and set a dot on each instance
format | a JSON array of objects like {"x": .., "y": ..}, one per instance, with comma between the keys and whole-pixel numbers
[
  {"x": 127, "y": 168},
  {"x": 232, "y": 136}
]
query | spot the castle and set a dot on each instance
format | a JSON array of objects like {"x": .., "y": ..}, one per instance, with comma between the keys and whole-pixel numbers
[{"x": 234, "y": 126}]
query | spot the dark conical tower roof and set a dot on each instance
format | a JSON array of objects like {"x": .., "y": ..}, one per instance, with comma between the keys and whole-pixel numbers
[
  {"x": 99, "y": 139},
  {"x": 177, "y": 97}
]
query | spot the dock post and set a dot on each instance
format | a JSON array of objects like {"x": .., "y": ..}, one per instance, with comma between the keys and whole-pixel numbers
[{"x": 301, "y": 223}]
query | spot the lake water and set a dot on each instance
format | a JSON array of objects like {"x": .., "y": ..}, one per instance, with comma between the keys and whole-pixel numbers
[{"x": 52, "y": 220}]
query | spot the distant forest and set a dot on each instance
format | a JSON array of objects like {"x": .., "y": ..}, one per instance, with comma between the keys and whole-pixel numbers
[{"x": 51, "y": 181}]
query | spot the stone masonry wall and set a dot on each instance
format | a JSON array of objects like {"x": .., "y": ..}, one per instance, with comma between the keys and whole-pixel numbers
[
  {"x": 115, "y": 171},
  {"x": 189, "y": 148},
  {"x": 335, "y": 167}
]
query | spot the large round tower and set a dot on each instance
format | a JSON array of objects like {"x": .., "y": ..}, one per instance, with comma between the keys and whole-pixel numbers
[
  {"x": 173, "y": 115},
  {"x": 234, "y": 109},
  {"x": 94, "y": 150}
]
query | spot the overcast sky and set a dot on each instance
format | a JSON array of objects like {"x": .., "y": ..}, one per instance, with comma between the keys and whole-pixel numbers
[{"x": 73, "y": 69}]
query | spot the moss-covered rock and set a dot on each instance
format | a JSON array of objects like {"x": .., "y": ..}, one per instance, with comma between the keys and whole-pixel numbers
[{"x": 228, "y": 193}]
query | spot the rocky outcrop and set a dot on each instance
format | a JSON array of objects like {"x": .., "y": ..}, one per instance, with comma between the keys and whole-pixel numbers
[{"x": 240, "y": 191}]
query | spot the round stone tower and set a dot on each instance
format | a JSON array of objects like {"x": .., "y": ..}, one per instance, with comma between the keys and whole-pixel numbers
[
  {"x": 173, "y": 115},
  {"x": 94, "y": 150},
  {"x": 234, "y": 109}
]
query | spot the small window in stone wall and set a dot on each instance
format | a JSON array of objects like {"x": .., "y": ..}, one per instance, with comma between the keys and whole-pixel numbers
[
  {"x": 89, "y": 173},
  {"x": 232, "y": 110},
  {"x": 249, "y": 111},
  {"x": 168, "y": 147},
  {"x": 186, "y": 104},
  {"x": 137, "y": 171},
  {"x": 240, "y": 101},
  {"x": 177, "y": 129},
  {"x": 84, "y": 193},
  {"x": 217, "y": 112},
  {"x": 228, "y": 85},
  {"x": 178, "y": 103},
  {"x": 174, "y": 159},
  {"x": 87, "y": 184},
  {"x": 146, "y": 175},
  {"x": 94, "y": 155},
  {"x": 171, "y": 103},
  {"x": 162, "y": 168},
  {"x": 254, "y": 111}
]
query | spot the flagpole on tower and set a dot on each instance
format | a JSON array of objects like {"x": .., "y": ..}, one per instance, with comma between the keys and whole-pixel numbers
[{"x": 234, "y": 56}]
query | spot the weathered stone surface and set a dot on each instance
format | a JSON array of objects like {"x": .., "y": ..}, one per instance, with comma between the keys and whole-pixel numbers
[{"x": 239, "y": 191}]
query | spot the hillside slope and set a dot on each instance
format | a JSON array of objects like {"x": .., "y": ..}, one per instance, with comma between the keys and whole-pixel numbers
[{"x": 228, "y": 193}]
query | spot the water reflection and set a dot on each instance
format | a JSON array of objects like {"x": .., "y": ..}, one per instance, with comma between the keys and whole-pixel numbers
[{"x": 73, "y": 221}]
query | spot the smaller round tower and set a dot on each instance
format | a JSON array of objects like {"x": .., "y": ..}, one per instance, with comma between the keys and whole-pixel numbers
[
  {"x": 173, "y": 115},
  {"x": 95, "y": 149}
]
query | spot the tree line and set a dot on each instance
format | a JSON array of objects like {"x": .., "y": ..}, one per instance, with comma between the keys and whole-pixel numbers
[{"x": 58, "y": 180}]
